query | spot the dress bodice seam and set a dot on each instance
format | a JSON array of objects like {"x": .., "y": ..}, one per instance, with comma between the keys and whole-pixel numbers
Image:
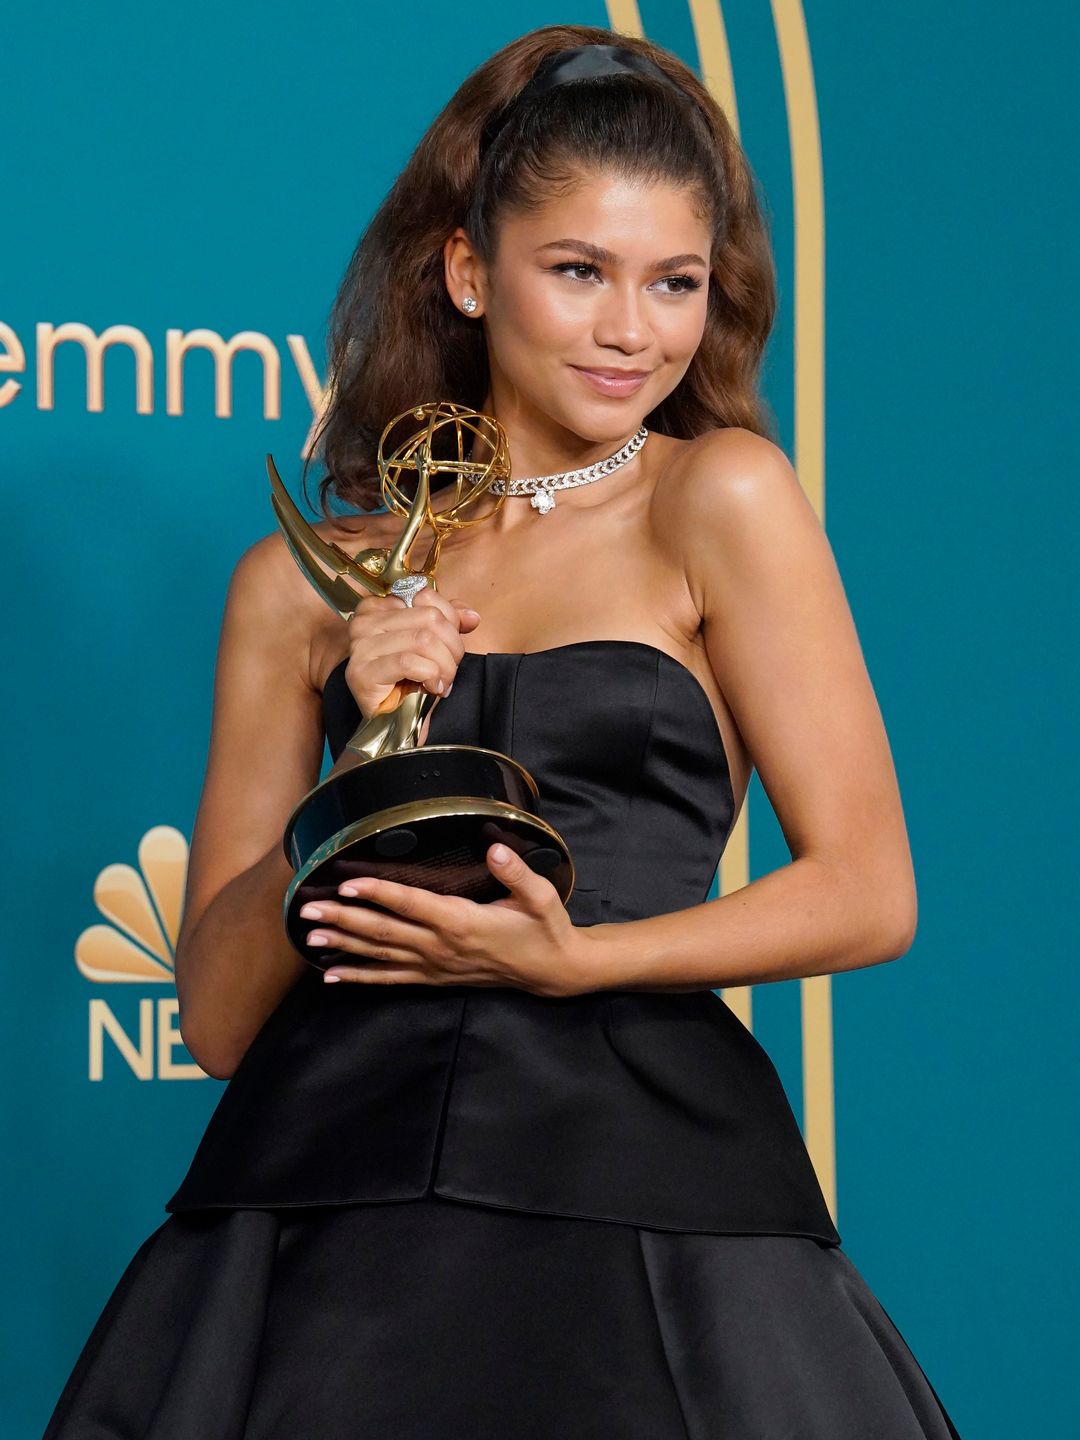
[{"x": 607, "y": 893}]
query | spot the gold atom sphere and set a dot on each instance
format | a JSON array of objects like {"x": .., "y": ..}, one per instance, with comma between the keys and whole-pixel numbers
[{"x": 471, "y": 446}]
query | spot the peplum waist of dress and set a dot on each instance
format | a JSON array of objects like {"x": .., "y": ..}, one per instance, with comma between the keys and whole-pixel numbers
[
  {"x": 646, "y": 1107},
  {"x": 649, "y": 1109}
]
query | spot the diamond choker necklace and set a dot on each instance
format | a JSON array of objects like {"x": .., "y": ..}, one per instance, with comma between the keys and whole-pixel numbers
[{"x": 542, "y": 487}]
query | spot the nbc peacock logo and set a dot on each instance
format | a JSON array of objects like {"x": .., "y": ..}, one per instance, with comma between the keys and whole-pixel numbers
[{"x": 137, "y": 946}]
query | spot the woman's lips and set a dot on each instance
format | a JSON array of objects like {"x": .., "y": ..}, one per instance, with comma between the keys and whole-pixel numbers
[{"x": 613, "y": 382}]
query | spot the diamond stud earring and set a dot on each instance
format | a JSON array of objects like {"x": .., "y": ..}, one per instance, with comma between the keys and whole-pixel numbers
[{"x": 468, "y": 304}]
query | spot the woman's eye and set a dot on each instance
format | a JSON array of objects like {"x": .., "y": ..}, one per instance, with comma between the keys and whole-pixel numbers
[
  {"x": 568, "y": 266},
  {"x": 684, "y": 283}
]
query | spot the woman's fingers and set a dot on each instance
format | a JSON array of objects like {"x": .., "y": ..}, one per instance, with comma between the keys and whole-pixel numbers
[
  {"x": 410, "y": 652},
  {"x": 400, "y": 941},
  {"x": 405, "y": 911},
  {"x": 452, "y": 610},
  {"x": 355, "y": 945},
  {"x": 427, "y": 661},
  {"x": 376, "y": 974},
  {"x": 392, "y": 644},
  {"x": 364, "y": 931},
  {"x": 421, "y": 907},
  {"x": 470, "y": 618}
]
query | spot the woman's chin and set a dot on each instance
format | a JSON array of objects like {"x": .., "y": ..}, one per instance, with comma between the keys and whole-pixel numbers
[{"x": 605, "y": 423}]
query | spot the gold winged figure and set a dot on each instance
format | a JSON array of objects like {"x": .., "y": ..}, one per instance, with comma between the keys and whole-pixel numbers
[{"x": 422, "y": 452}]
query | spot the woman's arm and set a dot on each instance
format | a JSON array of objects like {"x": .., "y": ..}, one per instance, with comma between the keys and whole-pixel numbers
[
  {"x": 233, "y": 962},
  {"x": 783, "y": 646}
]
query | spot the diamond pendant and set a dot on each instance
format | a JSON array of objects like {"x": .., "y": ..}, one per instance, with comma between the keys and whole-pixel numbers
[{"x": 543, "y": 501}]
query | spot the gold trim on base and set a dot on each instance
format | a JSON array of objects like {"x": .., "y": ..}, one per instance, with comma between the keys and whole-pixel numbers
[{"x": 419, "y": 810}]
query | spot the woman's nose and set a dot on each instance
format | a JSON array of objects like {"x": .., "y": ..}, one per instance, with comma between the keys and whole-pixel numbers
[{"x": 622, "y": 320}]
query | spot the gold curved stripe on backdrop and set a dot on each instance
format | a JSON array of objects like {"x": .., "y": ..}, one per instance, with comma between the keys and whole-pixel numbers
[
  {"x": 714, "y": 59},
  {"x": 808, "y": 197},
  {"x": 624, "y": 17}
]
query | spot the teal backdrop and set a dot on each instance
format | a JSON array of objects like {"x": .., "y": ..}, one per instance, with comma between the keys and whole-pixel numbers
[{"x": 210, "y": 168}]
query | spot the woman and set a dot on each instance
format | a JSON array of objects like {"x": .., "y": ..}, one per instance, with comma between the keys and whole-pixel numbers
[{"x": 520, "y": 1172}]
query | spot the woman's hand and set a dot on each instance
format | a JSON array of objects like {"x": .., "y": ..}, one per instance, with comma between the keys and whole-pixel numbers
[
  {"x": 391, "y": 643},
  {"x": 525, "y": 941}
]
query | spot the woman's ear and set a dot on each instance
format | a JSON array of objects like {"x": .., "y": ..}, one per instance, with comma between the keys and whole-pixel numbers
[{"x": 465, "y": 274}]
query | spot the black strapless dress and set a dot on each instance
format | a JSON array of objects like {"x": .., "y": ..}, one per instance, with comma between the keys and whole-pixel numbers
[{"x": 428, "y": 1212}]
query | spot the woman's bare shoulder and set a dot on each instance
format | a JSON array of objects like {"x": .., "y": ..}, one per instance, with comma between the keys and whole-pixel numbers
[
  {"x": 729, "y": 484},
  {"x": 724, "y": 466},
  {"x": 723, "y": 488}
]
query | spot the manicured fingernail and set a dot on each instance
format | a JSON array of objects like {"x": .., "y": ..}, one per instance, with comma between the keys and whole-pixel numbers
[
  {"x": 316, "y": 940},
  {"x": 440, "y": 686},
  {"x": 500, "y": 854},
  {"x": 311, "y": 912},
  {"x": 358, "y": 885},
  {"x": 329, "y": 979},
  {"x": 449, "y": 687}
]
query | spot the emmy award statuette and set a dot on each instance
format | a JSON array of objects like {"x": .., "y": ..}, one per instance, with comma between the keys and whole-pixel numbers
[{"x": 422, "y": 815}]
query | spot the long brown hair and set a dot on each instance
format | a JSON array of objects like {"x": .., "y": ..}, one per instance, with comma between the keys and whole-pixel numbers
[{"x": 395, "y": 337}]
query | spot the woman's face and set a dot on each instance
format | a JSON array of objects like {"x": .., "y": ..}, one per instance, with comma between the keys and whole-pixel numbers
[{"x": 593, "y": 305}]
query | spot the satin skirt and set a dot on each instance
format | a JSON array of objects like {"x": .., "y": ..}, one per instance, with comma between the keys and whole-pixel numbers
[{"x": 436, "y": 1319}]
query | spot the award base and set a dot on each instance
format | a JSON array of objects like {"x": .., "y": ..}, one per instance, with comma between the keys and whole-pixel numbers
[{"x": 427, "y": 818}]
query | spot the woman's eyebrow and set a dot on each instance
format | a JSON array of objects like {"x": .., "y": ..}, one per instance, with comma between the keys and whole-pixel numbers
[{"x": 607, "y": 257}]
